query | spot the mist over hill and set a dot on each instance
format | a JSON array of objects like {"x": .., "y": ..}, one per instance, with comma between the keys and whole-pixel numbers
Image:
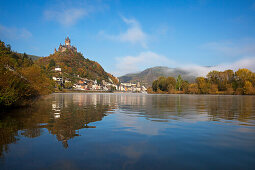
[{"x": 147, "y": 76}]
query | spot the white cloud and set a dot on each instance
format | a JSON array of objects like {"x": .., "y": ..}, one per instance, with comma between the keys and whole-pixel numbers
[
  {"x": 66, "y": 17},
  {"x": 239, "y": 48},
  {"x": 14, "y": 33},
  {"x": 203, "y": 71},
  {"x": 134, "y": 34},
  {"x": 131, "y": 64},
  {"x": 68, "y": 13}
]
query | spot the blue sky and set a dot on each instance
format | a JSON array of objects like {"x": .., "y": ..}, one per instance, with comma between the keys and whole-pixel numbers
[{"x": 129, "y": 36}]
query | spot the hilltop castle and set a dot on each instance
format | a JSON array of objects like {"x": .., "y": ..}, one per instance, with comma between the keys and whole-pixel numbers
[{"x": 67, "y": 45}]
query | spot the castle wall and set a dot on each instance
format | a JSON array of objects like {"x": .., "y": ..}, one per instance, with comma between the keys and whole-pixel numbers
[{"x": 67, "y": 45}]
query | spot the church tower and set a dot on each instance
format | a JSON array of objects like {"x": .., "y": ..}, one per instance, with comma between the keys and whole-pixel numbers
[{"x": 67, "y": 41}]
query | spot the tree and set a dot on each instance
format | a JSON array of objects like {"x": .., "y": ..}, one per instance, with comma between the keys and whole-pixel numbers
[
  {"x": 171, "y": 80},
  {"x": 242, "y": 75},
  {"x": 203, "y": 85},
  {"x": 179, "y": 83},
  {"x": 68, "y": 85},
  {"x": 248, "y": 88},
  {"x": 171, "y": 89},
  {"x": 213, "y": 89},
  {"x": 25, "y": 56},
  {"x": 162, "y": 84},
  {"x": 155, "y": 85},
  {"x": 221, "y": 78},
  {"x": 52, "y": 63},
  {"x": 185, "y": 86},
  {"x": 38, "y": 79},
  {"x": 229, "y": 89},
  {"x": 193, "y": 88},
  {"x": 213, "y": 77}
]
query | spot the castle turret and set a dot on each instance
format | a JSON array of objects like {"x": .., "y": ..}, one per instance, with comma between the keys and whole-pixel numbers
[
  {"x": 67, "y": 45},
  {"x": 67, "y": 41}
]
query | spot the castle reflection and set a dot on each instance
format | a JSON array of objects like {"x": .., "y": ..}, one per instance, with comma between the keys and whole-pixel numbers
[{"x": 60, "y": 114}]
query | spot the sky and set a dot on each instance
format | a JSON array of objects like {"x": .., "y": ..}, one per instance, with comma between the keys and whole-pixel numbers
[{"x": 127, "y": 36}]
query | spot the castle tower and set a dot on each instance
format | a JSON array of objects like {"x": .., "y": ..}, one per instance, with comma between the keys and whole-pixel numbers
[{"x": 67, "y": 41}]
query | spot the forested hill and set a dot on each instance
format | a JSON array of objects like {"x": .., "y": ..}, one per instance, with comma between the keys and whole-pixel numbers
[
  {"x": 73, "y": 64},
  {"x": 147, "y": 76},
  {"x": 20, "y": 79}
]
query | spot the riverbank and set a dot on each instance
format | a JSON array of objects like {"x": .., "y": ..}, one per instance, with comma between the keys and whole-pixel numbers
[
  {"x": 81, "y": 91},
  {"x": 89, "y": 91},
  {"x": 221, "y": 93}
]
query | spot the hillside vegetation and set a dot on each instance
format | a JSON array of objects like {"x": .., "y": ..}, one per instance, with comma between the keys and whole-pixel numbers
[
  {"x": 20, "y": 79},
  {"x": 74, "y": 65}
]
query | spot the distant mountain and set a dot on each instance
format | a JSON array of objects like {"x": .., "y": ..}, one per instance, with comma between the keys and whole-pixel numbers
[
  {"x": 74, "y": 65},
  {"x": 33, "y": 57},
  {"x": 147, "y": 76}
]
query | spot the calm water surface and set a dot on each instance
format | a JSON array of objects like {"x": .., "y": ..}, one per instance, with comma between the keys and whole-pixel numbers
[{"x": 130, "y": 131}]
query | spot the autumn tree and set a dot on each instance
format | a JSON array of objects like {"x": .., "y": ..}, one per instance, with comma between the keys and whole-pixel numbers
[
  {"x": 213, "y": 89},
  {"x": 193, "y": 88},
  {"x": 229, "y": 89},
  {"x": 248, "y": 88},
  {"x": 217, "y": 82},
  {"x": 203, "y": 85},
  {"x": 241, "y": 76},
  {"x": 213, "y": 77},
  {"x": 185, "y": 86}
]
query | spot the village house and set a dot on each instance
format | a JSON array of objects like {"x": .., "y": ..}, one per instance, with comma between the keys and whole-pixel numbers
[
  {"x": 58, "y": 69},
  {"x": 131, "y": 87}
]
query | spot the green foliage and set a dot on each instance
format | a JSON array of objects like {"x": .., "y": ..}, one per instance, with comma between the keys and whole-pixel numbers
[
  {"x": 68, "y": 85},
  {"x": 179, "y": 83},
  {"x": 60, "y": 87},
  {"x": 155, "y": 85},
  {"x": 52, "y": 63},
  {"x": 164, "y": 84}
]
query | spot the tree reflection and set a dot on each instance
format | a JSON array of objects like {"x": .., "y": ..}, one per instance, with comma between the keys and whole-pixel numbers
[
  {"x": 172, "y": 107},
  {"x": 72, "y": 116}
]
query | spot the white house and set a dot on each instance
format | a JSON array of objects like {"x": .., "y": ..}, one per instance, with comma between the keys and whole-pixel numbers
[{"x": 57, "y": 69}]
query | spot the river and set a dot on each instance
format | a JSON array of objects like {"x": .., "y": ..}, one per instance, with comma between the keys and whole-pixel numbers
[{"x": 130, "y": 131}]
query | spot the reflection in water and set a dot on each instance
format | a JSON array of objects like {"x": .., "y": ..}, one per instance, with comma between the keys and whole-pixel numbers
[
  {"x": 65, "y": 115},
  {"x": 61, "y": 115},
  {"x": 70, "y": 116},
  {"x": 193, "y": 107}
]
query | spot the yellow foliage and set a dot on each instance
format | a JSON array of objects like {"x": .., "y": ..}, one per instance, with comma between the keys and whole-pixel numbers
[
  {"x": 248, "y": 88},
  {"x": 38, "y": 80},
  {"x": 193, "y": 88}
]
